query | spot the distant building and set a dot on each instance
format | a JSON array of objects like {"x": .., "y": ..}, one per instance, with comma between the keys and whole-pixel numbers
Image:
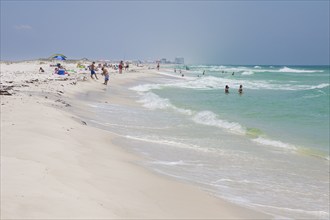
[
  {"x": 179, "y": 60},
  {"x": 163, "y": 60}
]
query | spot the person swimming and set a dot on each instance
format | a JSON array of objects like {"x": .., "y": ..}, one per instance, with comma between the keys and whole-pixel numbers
[
  {"x": 226, "y": 89},
  {"x": 240, "y": 90}
]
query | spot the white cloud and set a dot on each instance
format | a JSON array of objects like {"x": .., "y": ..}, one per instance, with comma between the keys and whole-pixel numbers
[{"x": 23, "y": 27}]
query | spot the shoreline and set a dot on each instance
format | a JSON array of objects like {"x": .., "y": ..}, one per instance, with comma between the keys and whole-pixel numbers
[{"x": 54, "y": 166}]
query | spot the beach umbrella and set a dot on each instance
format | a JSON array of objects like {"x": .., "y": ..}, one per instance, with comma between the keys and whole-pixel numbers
[{"x": 59, "y": 58}]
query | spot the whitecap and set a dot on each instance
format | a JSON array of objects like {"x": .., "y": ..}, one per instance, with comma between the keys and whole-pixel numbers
[
  {"x": 247, "y": 73},
  {"x": 291, "y": 70},
  {"x": 320, "y": 86}
]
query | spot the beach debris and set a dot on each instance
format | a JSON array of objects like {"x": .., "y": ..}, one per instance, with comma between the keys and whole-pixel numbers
[
  {"x": 32, "y": 80},
  {"x": 6, "y": 87},
  {"x": 83, "y": 122},
  {"x": 4, "y": 92},
  {"x": 63, "y": 102}
]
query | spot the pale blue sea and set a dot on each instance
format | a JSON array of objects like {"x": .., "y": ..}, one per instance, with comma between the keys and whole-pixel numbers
[{"x": 267, "y": 149}]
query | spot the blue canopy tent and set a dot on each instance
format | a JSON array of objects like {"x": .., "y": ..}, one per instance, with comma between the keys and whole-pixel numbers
[{"x": 58, "y": 57}]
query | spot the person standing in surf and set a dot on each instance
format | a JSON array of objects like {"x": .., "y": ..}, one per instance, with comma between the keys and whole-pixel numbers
[
  {"x": 240, "y": 90},
  {"x": 226, "y": 89}
]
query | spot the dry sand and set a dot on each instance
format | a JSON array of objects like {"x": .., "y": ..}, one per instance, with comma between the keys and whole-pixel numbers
[{"x": 54, "y": 166}]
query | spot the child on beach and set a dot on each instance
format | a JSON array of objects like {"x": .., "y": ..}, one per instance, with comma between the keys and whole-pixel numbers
[{"x": 105, "y": 73}]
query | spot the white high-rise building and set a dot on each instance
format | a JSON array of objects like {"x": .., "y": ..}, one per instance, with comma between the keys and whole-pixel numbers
[{"x": 179, "y": 60}]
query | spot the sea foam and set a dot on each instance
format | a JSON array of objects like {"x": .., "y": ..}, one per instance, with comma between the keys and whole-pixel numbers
[
  {"x": 152, "y": 101},
  {"x": 273, "y": 143},
  {"x": 211, "y": 119}
]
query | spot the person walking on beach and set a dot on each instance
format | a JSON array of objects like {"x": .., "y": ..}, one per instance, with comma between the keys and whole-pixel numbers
[
  {"x": 157, "y": 66},
  {"x": 120, "y": 67},
  {"x": 92, "y": 68},
  {"x": 226, "y": 89},
  {"x": 105, "y": 73},
  {"x": 240, "y": 90},
  {"x": 126, "y": 66}
]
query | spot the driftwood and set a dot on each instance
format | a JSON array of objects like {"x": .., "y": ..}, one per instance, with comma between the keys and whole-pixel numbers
[{"x": 4, "y": 90}]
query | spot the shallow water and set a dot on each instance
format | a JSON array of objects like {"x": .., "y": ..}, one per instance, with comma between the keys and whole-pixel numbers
[{"x": 267, "y": 149}]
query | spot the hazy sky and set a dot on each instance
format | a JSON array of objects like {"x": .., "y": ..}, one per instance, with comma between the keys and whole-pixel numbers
[{"x": 203, "y": 32}]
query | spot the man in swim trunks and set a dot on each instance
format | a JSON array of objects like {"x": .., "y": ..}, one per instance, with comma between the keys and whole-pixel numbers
[{"x": 92, "y": 68}]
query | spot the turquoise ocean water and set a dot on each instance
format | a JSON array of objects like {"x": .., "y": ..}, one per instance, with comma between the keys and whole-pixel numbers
[{"x": 267, "y": 149}]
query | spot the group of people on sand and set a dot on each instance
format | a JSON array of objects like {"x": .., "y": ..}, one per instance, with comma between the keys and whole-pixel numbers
[
  {"x": 240, "y": 89},
  {"x": 104, "y": 73},
  {"x": 60, "y": 70}
]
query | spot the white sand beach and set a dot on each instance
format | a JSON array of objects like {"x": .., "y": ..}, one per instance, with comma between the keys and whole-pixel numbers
[{"x": 55, "y": 166}]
